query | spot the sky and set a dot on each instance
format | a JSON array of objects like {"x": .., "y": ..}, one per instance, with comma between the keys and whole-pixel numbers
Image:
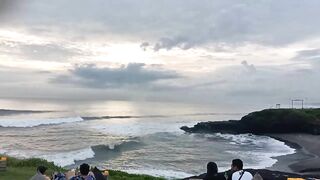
[{"x": 197, "y": 51}]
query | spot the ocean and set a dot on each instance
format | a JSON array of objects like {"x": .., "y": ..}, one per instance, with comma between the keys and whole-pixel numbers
[{"x": 136, "y": 137}]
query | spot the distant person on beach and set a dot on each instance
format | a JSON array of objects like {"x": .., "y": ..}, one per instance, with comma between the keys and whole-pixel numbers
[
  {"x": 40, "y": 174},
  {"x": 212, "y": 172},
  {"x": 239, "y": 173},
  {"x": 85, "y": 173}
]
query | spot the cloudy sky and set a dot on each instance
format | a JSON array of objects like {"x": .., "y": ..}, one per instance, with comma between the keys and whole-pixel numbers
[{"x": 204, "y": 51}]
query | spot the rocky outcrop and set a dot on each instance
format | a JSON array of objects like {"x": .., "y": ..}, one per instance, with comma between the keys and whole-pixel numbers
[{"x": 265, "y": 121}]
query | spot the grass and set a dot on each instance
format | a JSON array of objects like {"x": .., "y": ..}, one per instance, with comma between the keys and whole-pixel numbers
[
  {"x": 119, "y": 175},
  {"x": 24, "y": 169},
  {"x": 284, "y": 120}
]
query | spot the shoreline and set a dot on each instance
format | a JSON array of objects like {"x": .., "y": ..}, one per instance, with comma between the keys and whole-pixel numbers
[{"x": 305, "y": 160}]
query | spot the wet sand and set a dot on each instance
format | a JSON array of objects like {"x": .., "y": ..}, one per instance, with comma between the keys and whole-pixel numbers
[{"x": 306, "y": 160}]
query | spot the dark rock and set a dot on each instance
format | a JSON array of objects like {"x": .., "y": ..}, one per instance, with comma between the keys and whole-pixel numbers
[{"x": 265, "y": 121}]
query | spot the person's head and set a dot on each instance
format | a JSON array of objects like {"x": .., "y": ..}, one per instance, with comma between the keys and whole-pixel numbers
[
  {"x": 84, "y": 169},
  {"x": 212, "y": 168},
  {"x": 41, "y": 169},
  {"x": 236, "y": 165}
]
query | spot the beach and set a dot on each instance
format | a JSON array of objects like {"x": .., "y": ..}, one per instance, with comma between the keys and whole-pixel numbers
[{"x": 305, "y": 160}]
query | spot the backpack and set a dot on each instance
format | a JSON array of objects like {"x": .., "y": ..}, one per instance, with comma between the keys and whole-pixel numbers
[
  {"x": 59, "y": 176},
  {"x": 97, "y": 174},
  {"x": 81, "y": 178}
]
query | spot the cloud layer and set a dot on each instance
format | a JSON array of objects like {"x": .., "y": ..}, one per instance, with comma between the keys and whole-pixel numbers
[
  {"x": 133, "y": 74},
  {"x": 215, "y": 51}
]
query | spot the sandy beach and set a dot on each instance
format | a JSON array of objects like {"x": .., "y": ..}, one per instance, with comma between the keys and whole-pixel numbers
[{"x": 307, "y": 157}]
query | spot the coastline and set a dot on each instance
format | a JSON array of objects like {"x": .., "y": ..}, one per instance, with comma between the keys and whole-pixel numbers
[{"x": 306, "y": 159}]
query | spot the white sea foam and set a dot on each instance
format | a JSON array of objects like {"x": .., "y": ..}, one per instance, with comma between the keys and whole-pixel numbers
[
  {"x": 58, "y": 158},
  {"x": 69, "y": 158},
  {"x": 37, "y": 122},
  {"x": 266, "y": 148}
]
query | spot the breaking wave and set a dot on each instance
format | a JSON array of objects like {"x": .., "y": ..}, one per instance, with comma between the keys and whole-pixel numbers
[{"x": 22, "y": 123}]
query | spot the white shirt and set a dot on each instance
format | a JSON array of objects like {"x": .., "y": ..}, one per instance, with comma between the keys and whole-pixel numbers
[{"x": 246, "y": 176}]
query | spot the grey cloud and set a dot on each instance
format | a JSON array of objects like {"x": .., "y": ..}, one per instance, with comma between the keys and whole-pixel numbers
[
  {"x": 180, "y": 23},
  {"x": 263, "y": 22},
  {"x": 5, "y": 5},
  {"x": 168, "y": 43},
  {"x": 134, "y": 74},
  {"x": 144, "y": 45},
  {"x": 310, "y": 56},
  {"x": 249, "y": 67},
  {"x": 269, "y": 84},
  {"x": 49, "y": 52}
]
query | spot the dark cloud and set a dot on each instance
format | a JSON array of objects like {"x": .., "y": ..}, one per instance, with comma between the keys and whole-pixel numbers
[{"x": 133, "y": 74}]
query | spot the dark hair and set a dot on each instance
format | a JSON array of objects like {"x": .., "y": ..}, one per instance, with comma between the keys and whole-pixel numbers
[
  {"x": 237, "y": 163},
  {"x": 84, "y": 169},
  {"x": 212, "y": 168},
  {"x": 41, "y": 169},
  {"x": 212, "y": 171}
]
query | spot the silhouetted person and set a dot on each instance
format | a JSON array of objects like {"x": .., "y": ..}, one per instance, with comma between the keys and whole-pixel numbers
[
  {"x": 98, "y": 174},
  {"x": 85, "y": 173},
  {"x": 212, "y": 172},
  {"x": 40, "y": 174},
  {"x": 239, "y": 173}
]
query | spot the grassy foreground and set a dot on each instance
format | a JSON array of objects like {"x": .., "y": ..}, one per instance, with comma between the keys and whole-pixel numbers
[{"x": 24, "y": 169}]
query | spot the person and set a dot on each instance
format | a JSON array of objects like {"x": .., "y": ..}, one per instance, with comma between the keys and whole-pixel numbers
[
  {"x": 257, "y": 176},
  {"x": 212, "y": 172},
  {"x": 98, "y": 174},
  {"x": 40, "y": 174},
  {"x": 85, "y": 173},
  {"x": 239, "y": 173},
  {"x": 59, "y": 176}
]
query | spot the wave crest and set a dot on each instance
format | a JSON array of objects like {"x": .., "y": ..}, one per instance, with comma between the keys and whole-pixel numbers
[{"x": 22, "y": 123}]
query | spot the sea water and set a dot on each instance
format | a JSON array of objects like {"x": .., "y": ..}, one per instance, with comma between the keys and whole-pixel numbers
[{"x": 137, "y": 137}]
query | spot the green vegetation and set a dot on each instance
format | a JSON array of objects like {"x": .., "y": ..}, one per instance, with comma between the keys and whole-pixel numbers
[
  {"x": 283, "y": 120},
  {"x": 313, "y": 112},
  {"x": 119, "y": 175},
  {"x": 23, "y": 169},
  {"x": 264, "y": 122}
]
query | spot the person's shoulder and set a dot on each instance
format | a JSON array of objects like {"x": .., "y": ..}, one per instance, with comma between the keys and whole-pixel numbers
[
  {"x": 248, "y": 174},
  {"x": 221, "y": 177},
  {"x": 90, "y": 177},
  {"x": 236, "y": 174}
]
